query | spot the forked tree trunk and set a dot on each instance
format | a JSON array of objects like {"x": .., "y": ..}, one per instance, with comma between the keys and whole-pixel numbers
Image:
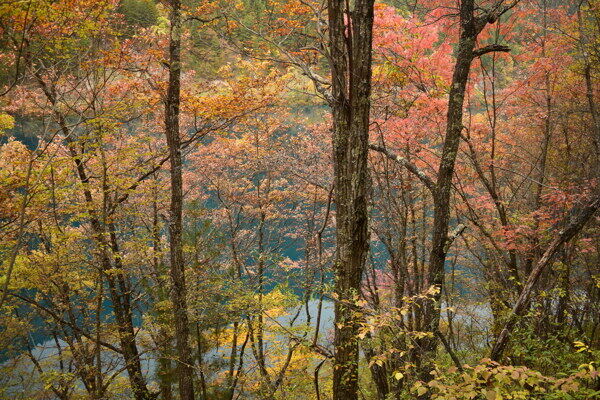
[{"x": 454, "y": 126}]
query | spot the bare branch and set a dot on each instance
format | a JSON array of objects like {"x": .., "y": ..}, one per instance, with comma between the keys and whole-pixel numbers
[
  {"x": 460, "y": 228},
  {"x": 489, "y": 49},
  {"x": 427, "y": 181}
]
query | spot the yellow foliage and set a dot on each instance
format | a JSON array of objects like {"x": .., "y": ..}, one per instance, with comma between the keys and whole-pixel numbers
[{"x": 6, "y": 122}]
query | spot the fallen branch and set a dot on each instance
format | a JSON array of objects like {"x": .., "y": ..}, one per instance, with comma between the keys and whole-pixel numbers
[{"x": 574, "y": 225}]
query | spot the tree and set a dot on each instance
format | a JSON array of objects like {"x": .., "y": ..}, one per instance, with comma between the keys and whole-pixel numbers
[
  {"x": 350, "y": 47},
  {"x": 185, "y": 369}
]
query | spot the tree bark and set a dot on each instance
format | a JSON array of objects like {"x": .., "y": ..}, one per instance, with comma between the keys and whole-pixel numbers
[
  {"x": 470, "y": 28},
  {"x": 105, "y": 239},
  {"x": 454, "y": 126},
  {"x": 185, "y": 369},
  {"x": 350, "y": 45}
]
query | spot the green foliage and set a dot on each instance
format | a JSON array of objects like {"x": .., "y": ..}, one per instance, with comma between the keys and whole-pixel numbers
[
  {"x": 6, "y": 122},
  {"x": 492, "y": 381},
  {"x": 541, "y": 352},
  {"x": 139, "y": 13}
]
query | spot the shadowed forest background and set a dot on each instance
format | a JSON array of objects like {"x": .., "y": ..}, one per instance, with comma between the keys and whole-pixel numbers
[{"x": 299, "y": 199}]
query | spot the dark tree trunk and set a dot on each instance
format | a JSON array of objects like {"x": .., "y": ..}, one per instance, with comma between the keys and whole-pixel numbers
[
  {"x": 470, "y": 27},
  {"x": 164, "y": 337},
  {"x": 350, "y": 44},
  {"x": 185, "y": 369},
  {"x": 454, "y": 125},
  {"x": 379, "y": 374}
]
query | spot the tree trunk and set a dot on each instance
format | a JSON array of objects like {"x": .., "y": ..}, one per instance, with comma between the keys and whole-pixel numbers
[
  {"x": 454, "y": 126},
  {"x": 350, "y": 45},
  {"x": 470, "y": 27},
  {"x": 120, "y": 296},
  {"x": 185, "y": 369}
]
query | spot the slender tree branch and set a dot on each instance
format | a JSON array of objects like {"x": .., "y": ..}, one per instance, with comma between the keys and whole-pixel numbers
[
  {"x": 453, "y": 355},
  {"x": 427, "y": 181},
  {"x": 57, "y": 318}
]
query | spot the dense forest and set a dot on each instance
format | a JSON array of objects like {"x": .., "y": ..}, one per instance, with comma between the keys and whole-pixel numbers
[{"x": 299, "y": 199}]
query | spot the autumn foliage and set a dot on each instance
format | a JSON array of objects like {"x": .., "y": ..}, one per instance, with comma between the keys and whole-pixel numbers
[{"x": 480, "y": 276}]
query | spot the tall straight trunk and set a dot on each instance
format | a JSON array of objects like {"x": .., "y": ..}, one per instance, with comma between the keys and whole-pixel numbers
[
  {"x": 543, "y": 159},
  {"x": 350, "y": 44},
  {"x": 164, "y": 367},
  {"x": 185, "y": 369},
  {"x": 589, "y": 85},
  {"x": 163, "y": 371}
]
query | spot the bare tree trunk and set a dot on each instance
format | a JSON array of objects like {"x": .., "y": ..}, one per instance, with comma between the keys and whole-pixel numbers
[
  {"x": 164, "y": 371},
  {"x": 350, "y": 44},
  {"x": 164, "y": 338},
  {"x": 379, "y": 375},
  {"x": 589, "y": 84},
  {"x": 185, "y": 369}
]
